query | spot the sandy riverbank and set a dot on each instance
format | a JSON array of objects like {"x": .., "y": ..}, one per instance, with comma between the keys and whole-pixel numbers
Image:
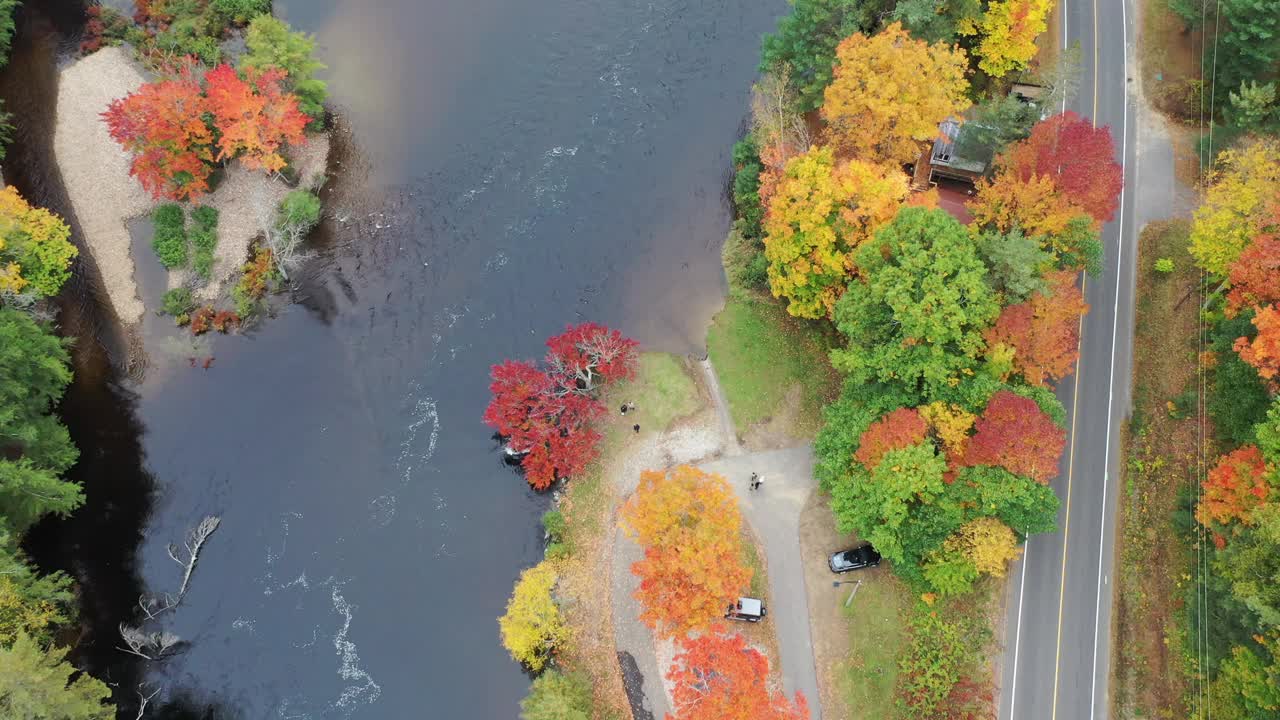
[
  {"x": 104, "y": 197},
  {"x": 95, "y": 170}
]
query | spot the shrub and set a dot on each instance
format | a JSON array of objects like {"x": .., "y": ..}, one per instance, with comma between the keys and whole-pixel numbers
[
  {"x": 553, "y": 524},
  {"x": 238, "y": 12},
  {"x": 557, "y": 696},
  {"x": 188, "y": 37},
  {"x": 557, "y": 551},
  {"x": 177, "y": 302},
  {"x": 271, "y": 44},
  {"x": 532, "y": 626},
  {"x": 105, "y": 26},
  {"x": 1164, "y": 266},
  {"x": 746, "y": 187},
  {"x": 300, "y": 211},
  {"x": 224, "y": 321},
  {"x": 744, "y": 262},
  {"x": 1238, "y": 397},
  {"x": 937, "y": 673},
  {"x": 170, "y": 241},
  {"x": 203, "y": 243},
  {"x": 202, "y": 320},
  {"x": 205, "y": 217},
  {"x": 259, "y": 276}
]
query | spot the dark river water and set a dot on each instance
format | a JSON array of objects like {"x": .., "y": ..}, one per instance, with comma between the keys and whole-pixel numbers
[{"x": 503, "y": 168}]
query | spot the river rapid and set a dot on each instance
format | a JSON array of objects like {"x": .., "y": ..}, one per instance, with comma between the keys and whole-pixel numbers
[{"x": 502, "y": 169}]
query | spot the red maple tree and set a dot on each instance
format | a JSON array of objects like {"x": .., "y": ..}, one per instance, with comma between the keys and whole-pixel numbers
[
  {"x": 255, "y": 119},
  {"x": 718, "y": 676},
  {"x": 1255, "y": 275},
  {"x": 1263, "y": 352},
  {"x": 589, "y": 354},
  {"x": 1044, "y": 331},
  {"x": 1234, "y": 487},
  {"x": 1079, "y": 157},
  {"x": 163, "y": 125},
  {"x": 550, "y": 430},
  {"x": 1015, "y": 434},
  {"x": 899, "y": 429},
  {"x": 546, "y": 417}
]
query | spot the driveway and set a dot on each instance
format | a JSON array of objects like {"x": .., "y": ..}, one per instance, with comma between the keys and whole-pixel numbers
[{"x": 774, "y": 513}]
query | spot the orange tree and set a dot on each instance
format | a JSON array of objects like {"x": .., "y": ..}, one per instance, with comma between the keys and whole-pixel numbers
[
  {"x": 255, "y": 119},
  {"x": 1263, "y": 351},
  {"x": 889, "y": 94},
  {"x": 163, "y": 125},
  {"x": 690, "y": 527},
  {"x": 1255, "y": 275},
  {"x": 1044, "y": 331},
  {"x": 717, "y": 676}
]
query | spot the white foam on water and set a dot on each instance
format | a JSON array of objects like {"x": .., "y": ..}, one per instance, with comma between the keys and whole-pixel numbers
[
  {"x": 382, "y": 510},
  {"x": 284, "y": 537},
  {"x": 243, "y": 624},
  {"x": 362, "y": 690},
  {"x": 424, "y": 413}
]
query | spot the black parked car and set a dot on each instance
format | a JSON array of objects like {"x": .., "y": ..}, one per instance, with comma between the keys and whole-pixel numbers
[
  {"x": 746, "y": 610},
  {"x": 863, "y": 556}
]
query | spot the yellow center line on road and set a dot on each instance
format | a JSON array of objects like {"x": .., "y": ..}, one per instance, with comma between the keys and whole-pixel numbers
[
  {"x": 1075, "y": 403},
  {"x": 1066, "y": 526}
]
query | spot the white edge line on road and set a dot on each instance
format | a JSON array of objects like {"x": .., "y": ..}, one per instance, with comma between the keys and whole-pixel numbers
[
  {"x": 1017, "y": 633},
  {"x": 1026, "y": 550},
  {"x": 1115, "y": 326}
]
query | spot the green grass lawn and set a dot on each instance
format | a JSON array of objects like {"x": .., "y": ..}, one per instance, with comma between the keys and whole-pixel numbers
[
  {"x": 760, "y": 353},
  {"x": 751, "y": 558},
  {"x": 877, "y": 633},
  {"x": 663, "y": 392}
]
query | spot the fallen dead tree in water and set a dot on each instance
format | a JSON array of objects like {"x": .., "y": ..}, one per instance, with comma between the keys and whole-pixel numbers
[{"x": 152, "y": 606}]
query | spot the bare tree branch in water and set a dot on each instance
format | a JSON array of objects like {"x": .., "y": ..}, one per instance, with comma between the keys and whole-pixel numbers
[
  {"x": 195, "y": 539},
  {"x": 151, "y": 606},
  {"x": 148, "y": 646},
  {"x": 144, "y": 699}
]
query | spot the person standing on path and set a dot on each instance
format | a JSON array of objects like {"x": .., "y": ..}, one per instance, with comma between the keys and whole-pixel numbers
[{"x": 751, "y": 484}]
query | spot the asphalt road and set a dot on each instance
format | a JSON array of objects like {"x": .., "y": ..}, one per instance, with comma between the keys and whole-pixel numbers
[
  {"x": 773, "y": 512},
  {"x": 1058, "y": 639}
]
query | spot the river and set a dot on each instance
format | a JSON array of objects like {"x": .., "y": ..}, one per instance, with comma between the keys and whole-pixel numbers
[{"x": 504, "y": 168}]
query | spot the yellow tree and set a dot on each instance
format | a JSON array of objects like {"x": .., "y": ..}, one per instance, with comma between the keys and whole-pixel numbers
[
  {"x": 951, "y": 424},
  {"x": 1234, "y": 209},
  {"x": 1009, "y": 31},
  {"x": 819, "y": 213},
  {"x": 988, "y": 543},
  {"x": 532, "y": 626},
  {"x": 35, "y": 247},
  {"x": 689, "y": 525},
  {"x": 889, "y": 94}
]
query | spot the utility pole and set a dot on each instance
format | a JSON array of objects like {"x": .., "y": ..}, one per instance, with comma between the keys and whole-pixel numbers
[{"x": 856, "y": 584}]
